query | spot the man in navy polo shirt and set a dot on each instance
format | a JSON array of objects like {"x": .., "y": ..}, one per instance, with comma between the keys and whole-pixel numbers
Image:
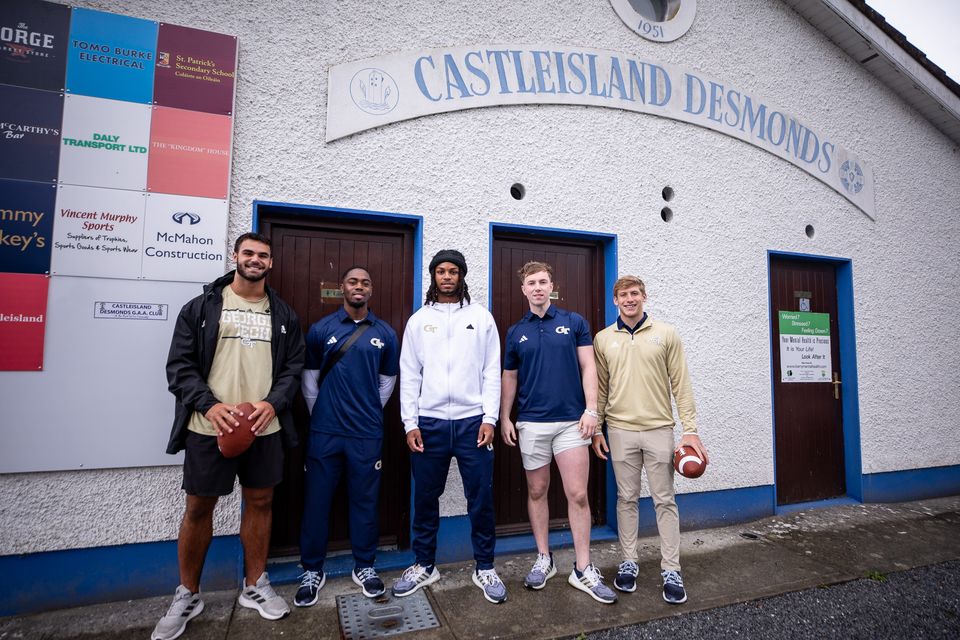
[
  {"x": 351, "y": 368},
  {"x": 549, "y": 358}
]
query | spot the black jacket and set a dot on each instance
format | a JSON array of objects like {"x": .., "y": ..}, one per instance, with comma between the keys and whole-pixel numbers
[{"x": 194, "y": 344}]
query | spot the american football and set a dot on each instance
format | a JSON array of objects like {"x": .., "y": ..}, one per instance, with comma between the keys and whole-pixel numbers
[
  {"x": 688, "y": 463},
  {"x": 233, "y": 444}
]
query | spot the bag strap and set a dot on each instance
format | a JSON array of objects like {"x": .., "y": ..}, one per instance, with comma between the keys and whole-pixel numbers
[{"x": 338, "y": 355}]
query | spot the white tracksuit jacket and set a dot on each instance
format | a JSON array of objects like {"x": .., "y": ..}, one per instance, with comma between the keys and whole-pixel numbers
[{"x": 450, "y": 364}]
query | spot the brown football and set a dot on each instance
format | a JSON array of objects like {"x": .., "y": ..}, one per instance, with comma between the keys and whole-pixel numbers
[
  {"x": 239, "y": 440},
  {"x": 688, "y": 463}
]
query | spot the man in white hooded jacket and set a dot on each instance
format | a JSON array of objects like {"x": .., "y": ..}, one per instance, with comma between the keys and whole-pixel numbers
[{"x": 450, "y": 402}]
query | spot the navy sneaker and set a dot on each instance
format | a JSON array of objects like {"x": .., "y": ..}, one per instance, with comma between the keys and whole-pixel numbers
[
  {"x": 309, "y": 592},
  {"x": 493, "y": 588},
  {"x": 626, "y": 579},
  {"x": 590, "y": 581},
  {"x": 673, "y": 591},
  {"x": 414, "y": 577},
  {"x": 369, "y": 581},
  {"x": 543, "y": 569}
]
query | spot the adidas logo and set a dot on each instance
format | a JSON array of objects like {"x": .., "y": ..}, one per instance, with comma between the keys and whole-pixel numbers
[
  {"x": 469, "y": 326},
  {"x": 523, "y": 338},
  {"x": 332, "y": 340}
]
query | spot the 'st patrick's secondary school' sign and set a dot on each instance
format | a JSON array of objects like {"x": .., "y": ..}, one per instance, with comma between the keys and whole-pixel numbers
[{"x": 378, "y": 91}]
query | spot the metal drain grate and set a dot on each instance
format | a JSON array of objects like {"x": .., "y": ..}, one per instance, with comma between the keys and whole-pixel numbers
[{"x": 362, "y": 617}]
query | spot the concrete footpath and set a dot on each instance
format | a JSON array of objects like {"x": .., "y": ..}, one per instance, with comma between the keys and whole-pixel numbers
[{"x": 723, "y": 566}]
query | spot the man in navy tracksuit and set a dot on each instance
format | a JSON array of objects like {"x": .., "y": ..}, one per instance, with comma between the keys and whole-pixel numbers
[
  {"x": 450, "y": 402},
  {"x": 346, "y": 394}
]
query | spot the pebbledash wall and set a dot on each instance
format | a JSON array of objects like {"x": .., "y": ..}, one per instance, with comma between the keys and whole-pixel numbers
[{"x": 109, "y": 534}]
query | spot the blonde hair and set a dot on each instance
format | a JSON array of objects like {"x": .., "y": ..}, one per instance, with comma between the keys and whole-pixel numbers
[
  {"x": 533, "y": 267},
  {"x": 625, "y": 282}
]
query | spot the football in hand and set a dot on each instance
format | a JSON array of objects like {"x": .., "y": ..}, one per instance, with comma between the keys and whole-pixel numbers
[
  {"x": 239, "y": 440},
  {"x": 688, "y": 463}
]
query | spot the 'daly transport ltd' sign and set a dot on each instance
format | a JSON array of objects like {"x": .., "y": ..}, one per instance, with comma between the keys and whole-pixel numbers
[{"x": 370, "y": 93}]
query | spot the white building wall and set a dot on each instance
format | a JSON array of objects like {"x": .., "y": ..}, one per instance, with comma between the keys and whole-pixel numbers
[{"x": 597, "y": 170}]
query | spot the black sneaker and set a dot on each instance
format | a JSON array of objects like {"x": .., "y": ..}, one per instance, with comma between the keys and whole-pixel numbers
[
  {"x": 369, "y": 581},
  {"x": 309, "y": 592},
  {"x": 673, "y": 591},
  {"x": 626, "y": 579}
]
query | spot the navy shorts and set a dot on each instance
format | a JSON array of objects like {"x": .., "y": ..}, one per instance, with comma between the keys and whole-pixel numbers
[{"x": 207, "y": 473}]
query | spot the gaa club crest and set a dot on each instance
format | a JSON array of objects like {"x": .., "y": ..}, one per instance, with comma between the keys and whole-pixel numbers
[
  {"x": 374, "y": 91},
  {"x": 851, "y": 176}
]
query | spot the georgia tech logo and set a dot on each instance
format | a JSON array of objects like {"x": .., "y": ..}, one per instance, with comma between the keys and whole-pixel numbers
[
  {"x": 191, "y": 217},
  {"x": 562, "y": 330},
  {"x": 430, "y": 328},
  {"x": 657, "y": 340},
  {"x": 377, "y": 342},
  {"x": 378, "y": 465}
]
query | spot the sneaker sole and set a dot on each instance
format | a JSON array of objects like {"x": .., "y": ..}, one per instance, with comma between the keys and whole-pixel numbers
[
  {"x": 553, "y": 572},
  {"x": 619, "y": 588},
  {"x": 316, "y": 596},
  {"x": 253, "y": 604},
  {"x": 433, "y": 578},
  {"x": 183, "y": 627},
  {"x": 369, "y": 594},
  {"x": 675, "y": 601},
  {"x": 477, "y": 582},
  {"x": 576, "y": 584}
]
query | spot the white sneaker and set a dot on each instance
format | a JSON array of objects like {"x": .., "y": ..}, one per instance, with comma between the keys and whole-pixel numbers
[
  {"x": 263, "y": 598},
  {"x": 185, "y": 607}
]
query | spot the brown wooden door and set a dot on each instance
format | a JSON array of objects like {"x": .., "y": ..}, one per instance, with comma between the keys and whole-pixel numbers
[
  {"x": 579, "y": 286},
  {"x": 807, "y": 415},
  {"x": 310, "y": 252}
]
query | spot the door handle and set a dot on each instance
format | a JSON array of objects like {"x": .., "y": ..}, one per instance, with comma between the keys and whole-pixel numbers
[{"x": 836, "y": 386}]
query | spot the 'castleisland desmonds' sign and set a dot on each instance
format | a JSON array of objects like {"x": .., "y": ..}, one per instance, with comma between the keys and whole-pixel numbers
[{"x": 377, "y": 91}]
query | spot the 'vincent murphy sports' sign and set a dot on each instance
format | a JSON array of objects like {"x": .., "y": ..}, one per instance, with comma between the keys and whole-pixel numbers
[{"x": 370, "y": 93}]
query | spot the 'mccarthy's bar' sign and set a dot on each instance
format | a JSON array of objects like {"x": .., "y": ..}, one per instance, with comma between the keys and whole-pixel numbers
[{"x": 378, "y": 91}]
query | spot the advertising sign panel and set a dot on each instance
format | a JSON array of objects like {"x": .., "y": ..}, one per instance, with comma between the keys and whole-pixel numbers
[
  {"x": 26, "y": 225},
  {"x": 33, "y": 44},
  {"x": 184, "y": 238},
  {"x": 196, "y": 69},
  {"x": 30, "y": 122},
  {"x": 111, "y": 56},
  {"x": 98, "y": 232},
  {"x": 805, "y": 347},
  {"x": 105, "y": 143},
  {"x": 189, "y": 153},
  {"x": 23, "y": 314}
]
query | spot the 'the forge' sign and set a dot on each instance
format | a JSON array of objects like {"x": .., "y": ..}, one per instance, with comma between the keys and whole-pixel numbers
[{"x": 378, "y": 91}]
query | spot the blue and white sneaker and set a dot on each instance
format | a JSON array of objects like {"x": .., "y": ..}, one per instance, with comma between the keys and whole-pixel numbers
[
  {"x": 673, "y": 591},
  {"x": 369, "y": 581},
  {"x": 590, "y": 581},
  {"x": 493, "y": 588},
  {"x": 309, "y": 592},
  {"x": 626, "y": 579},
  {"x": 413, "y": 578},
  {"x": 543, "y": 569}
]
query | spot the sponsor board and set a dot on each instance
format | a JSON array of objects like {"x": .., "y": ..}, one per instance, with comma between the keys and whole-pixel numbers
[
  {"x": 23, "y": 317},
  {"x": 189, "y": 153},
  {"x": 33, "y": 44},
  {"x": 184, "y": 238},
  {"x": 98, "y": 232},
  {"x": 130, "y": 310},
  {"x": 26, "y": 226},
  {"x": 111, "y": 56},
  {"x": 30, "y": 122},
  {"x": 196, "y": 69},
  {"x": 104, "y": 143}
]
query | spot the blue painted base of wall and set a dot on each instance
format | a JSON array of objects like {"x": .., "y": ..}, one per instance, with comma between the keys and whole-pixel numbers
[{"x": 75, "y": 577}]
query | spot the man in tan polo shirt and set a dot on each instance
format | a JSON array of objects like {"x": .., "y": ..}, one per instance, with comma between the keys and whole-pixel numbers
[{"x": 640, "y": 365}]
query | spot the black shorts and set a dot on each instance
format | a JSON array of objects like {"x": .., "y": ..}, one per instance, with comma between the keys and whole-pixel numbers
[{"x": 207, "y": 473}]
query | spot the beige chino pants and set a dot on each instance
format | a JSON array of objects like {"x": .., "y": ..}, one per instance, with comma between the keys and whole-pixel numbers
[{"x": 630, "y": 452}]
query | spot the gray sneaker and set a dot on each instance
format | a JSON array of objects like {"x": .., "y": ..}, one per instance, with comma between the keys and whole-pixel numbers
[
  {"x": 591, "y": 582},
  {"x": 491, "y": 584},
  {"x": 543, "y": 569},
  {"x": 185, "y": 607},
  {"x": 414, "y": 577},
  {"x": 263, "y": 598}
]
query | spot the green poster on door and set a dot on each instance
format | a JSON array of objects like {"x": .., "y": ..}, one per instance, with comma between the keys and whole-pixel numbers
[{"x": 804, "y": 347}]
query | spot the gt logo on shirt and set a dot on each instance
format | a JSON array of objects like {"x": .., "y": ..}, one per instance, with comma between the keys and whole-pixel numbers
[
  {"x": 563, "y": 330},
  {"x": 377, "y": 342},
  {"x": 378, "y": 465},
  {"x": 430, "y": 328}
]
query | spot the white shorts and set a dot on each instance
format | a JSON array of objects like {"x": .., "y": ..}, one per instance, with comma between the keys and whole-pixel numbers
[{"x": 541, "y": 441}]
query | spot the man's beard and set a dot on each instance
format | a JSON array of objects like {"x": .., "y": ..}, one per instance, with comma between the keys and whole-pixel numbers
[
  {"x": 252, "y": 278},
  {"x": 357, "y": 304}
]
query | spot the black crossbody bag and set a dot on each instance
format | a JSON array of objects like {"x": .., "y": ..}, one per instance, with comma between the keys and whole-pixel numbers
[{"x": 336, "y": 357}]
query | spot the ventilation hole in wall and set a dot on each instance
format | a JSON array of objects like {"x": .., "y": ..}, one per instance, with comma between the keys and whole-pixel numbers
[
  {"x": 518, "y": 191},
  {"x": 666, "y": 214},
  {"x": 668, "y": 193},
  {"x": 809, "y": 230}
]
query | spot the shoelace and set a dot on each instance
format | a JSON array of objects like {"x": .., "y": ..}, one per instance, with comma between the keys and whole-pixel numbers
[
  {"x": 367, "y": 573},
  {"x": 592, "y": 576},
  {"x": 542, "y": 565},
  {"x": 488, "y": 577},
  {"x": 628, "y": 566},
  {"x": 413, "y": 573},
  {"x": 266, "y": 591},
  {"x": 310, "y": 579},
  {"x": 179, "y": 605},
  {"x": 672, "y": 577}
]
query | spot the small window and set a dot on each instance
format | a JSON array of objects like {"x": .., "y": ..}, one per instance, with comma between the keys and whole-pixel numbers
[{"x": 657, "y": 20}]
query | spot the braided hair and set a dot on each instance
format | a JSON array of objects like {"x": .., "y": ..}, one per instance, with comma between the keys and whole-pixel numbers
[{"x": 433, "y": 293}]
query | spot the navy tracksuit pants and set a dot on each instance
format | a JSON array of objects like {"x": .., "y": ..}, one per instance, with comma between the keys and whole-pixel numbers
[
  {"x": 443, "y": 440},
  {"x": 329, "y": 458}
]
